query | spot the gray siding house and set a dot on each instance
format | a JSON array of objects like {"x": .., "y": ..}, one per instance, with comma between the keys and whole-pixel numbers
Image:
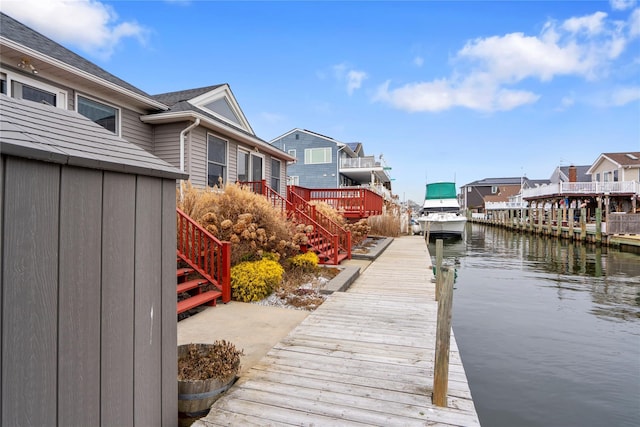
[
  {"x": 87, "y": 274},
  {"x": 323, "y": 162},
  {"x": 202, "y": 131}
]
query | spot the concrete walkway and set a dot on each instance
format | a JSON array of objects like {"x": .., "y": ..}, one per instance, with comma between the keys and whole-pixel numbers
[{"x": 364, "y": 357}]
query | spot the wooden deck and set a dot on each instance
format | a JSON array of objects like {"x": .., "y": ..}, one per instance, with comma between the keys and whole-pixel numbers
[{"x": 364, "y": 357}]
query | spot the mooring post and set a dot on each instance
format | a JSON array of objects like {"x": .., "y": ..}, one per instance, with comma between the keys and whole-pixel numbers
[
  {"x": 443, "y": 339},
  {"x": 439, "y": 250}
]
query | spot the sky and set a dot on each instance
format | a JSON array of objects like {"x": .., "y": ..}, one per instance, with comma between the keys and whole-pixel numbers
[{"x": 442, "y": 90}]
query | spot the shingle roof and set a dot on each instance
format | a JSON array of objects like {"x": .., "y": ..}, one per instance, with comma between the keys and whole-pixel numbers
[
  {"x": 496, "y": 181},
  {"x": 171, "y": 98},
  {"x": 581, "y": 172},
  {"x": 631, "y": 158},
  {"x": 47, "y": 133},
  {"x": 23, "y": 35}
]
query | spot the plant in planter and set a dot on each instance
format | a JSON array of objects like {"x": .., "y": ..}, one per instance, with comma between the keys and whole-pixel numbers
[{"x": 205, "y": 371}]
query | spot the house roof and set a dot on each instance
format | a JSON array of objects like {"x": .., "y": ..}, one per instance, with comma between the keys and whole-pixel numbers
[
  {"x": 172, "y": 98},
  {"x": 356, "y": 147},
  {"x": 51, "y": 134},
  {"x": 347, "y": 146},
  {"x": 54, "y": 53},
  {"x": 621, "y": 160},
  {"x": 495, "y": 181},
  {"x": 503, "y": 195},
  {"x": 581, "y": 172}
]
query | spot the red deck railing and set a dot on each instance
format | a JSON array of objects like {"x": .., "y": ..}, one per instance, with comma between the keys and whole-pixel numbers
[
  {"x": 203, "y": 252},
  {"x": 353, "y": 203},
  {"x": 324, "y": 229}
]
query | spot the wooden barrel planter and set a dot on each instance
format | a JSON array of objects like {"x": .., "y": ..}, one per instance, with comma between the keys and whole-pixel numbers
[{"x": 195, "y": 397}]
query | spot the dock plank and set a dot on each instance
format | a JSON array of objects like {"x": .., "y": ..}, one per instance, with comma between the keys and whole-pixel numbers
[{"x": 364, "y": 357}]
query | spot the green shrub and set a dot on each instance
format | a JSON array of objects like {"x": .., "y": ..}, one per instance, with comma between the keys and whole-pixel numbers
[
  {"x": 306, "y": 262},
  {"x": 255, "y": 280}
]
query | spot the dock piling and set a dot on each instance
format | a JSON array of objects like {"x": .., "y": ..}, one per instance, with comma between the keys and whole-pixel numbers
[{"x": 443, "y": 337}]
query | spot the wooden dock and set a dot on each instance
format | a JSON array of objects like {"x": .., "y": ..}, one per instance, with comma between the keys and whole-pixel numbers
[{"x": 364, "y": 357}]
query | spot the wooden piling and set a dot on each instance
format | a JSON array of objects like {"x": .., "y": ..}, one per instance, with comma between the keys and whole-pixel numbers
[
  {"x": 443, "y": 337},
  {"x": 439, "y": 251}
]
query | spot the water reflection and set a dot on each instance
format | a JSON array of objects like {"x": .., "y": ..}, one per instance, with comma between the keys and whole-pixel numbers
[
  {"x": 611, "y": 277},
  {"x": 548, "y": 329}
]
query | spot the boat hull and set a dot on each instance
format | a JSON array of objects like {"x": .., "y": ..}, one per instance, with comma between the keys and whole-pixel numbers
[{"x": 443, "y": 225}]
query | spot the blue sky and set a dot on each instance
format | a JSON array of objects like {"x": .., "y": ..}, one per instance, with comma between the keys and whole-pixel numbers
[{"x": 444, "y": 90}]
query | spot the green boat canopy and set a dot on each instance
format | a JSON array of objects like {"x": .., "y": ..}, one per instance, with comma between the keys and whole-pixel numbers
[{"x": 441, "y": 190}]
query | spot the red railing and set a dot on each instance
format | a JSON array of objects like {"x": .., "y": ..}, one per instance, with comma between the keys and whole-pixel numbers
[
  {"x": 203, "y": 252},
  {"x": 344, "y": 236},
  {"x": 336, "y": 238},
  {"x": 350, "y": 202}
]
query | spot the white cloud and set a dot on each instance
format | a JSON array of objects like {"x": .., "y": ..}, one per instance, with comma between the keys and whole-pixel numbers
[
  {"x": 354, "y": 78},
  {"x": 624, "y": 96},
  {"x": 634, "y": 24},
  {"x": 488, "y": 70},
  {"x": 622, "y": 4},
  {"x": 88, "y": 24}
]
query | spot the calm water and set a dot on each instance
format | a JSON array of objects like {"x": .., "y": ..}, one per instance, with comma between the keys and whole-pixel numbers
[{"x": 549, "y": 331}]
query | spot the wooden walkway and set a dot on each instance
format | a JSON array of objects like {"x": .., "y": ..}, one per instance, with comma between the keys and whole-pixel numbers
[{"x": 364, "y": 357}]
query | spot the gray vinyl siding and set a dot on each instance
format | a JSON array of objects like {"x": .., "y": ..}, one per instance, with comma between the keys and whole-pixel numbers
[
  {"x": 87, "y": 276},
  {"x": 323, "y": 175},
  {"x": 166, "y": 142},
  {"x": 232, "y": 161},
  {"x": 197, "y": 157},
  {"x": 134, "y": 130}
]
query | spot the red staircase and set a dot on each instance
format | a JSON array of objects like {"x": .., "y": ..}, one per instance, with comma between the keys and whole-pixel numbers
[
  {"x": 208, "y": 259},
  {"x": 328, "y": 240}
]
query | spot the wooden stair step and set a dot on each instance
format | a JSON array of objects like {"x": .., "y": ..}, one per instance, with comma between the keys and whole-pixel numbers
[
  {"x": 184, "y": 271},
  {"x": 198, "y": 300},
  {"x": 190, "y": 284}
]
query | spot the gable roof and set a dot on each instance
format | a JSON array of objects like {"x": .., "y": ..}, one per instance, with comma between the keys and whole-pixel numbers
[
  {"x": 171, "y": 98},
  {"x": 51, "y": 134},
  {"x": 630, "y": 159},
  {"x": 18, "y": 41},
  {"x": 346, "y": 146},
  {"x": 581, "y": 172}
]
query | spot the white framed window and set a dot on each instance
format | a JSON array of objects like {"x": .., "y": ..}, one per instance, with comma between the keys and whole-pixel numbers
[
  {"x": 494, "y": 189},
  {"x": 293, "y": 180},
  {"x": 216, "y": 161},
  {"x": 275, "y": 174},
  {"x": 243, "y": 166},
  {"x": 105, "y": 115},
  {"x": 317, "y": 155},
  {"x": 292, "y": 152},
  {"x": 22, "y": 87}
]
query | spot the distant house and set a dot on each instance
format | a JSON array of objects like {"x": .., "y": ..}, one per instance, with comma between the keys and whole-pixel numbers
[
  {"x": 570, "y": 174},
  {"x": 474, "y": 195},
  {"x": 615, "y": 167},
  {"x": 201, "y": 131},
  {"x": 323, "y": 162}
]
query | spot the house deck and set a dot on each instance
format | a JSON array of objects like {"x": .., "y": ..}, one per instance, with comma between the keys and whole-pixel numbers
[{"x": 364, "y": 357}]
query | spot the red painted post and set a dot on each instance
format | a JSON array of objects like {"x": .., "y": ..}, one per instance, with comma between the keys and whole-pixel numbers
[
  {"x": 349, "y": 244},
  {"x": 226, "y": 272}
]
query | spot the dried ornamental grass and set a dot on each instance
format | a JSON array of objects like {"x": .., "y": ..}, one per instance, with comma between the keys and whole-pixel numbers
[{"x": 203, "y": 362}]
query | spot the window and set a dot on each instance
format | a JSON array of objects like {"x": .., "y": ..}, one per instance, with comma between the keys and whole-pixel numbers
[
  {"x": 615, "y": 175},
  {"x": 292, "y": 153},
  {"x": 216, "y": 160},
  {"x": 31, "y": 93},
  {"x": 293, "y": 180},
  {"x": 22, "y": 87},
  {"x": 102, "y": 114},
  {"x": 598, "y": 177},
  {"x": 243, "y": 166},
  {"x": 275, "y": 174},
  {"x": 494, "y": 189},
  {"x": 257, "y": 171},
  {"x": 468, "y": 189},
  {"x": 317, "y": 155}
]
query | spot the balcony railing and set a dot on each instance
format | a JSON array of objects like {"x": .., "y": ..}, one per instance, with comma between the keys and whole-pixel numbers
[
  {"x": 505, "y": 205},
  {"x": 368, "y": 162},
  {"x": 586, "y": 188}
]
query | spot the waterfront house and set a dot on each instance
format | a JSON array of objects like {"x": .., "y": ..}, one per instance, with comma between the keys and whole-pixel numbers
[
  {"x": 570, "y": 173},
  {"x": 474, "y": 195},
  {"x": 323, "y": 162},
  {"x": 202, "y": 131}
]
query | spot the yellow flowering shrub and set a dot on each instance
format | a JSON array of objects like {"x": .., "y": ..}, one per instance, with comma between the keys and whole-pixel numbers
[
  {"x": 255, "y": 280},
  {"x": 306, "y": 262}
]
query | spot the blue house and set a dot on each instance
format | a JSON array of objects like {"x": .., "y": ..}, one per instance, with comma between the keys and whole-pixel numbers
[{"x": 323, "y": 162}]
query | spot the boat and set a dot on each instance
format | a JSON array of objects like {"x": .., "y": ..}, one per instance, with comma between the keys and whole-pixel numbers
[{"x": 440, "y": 216}]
